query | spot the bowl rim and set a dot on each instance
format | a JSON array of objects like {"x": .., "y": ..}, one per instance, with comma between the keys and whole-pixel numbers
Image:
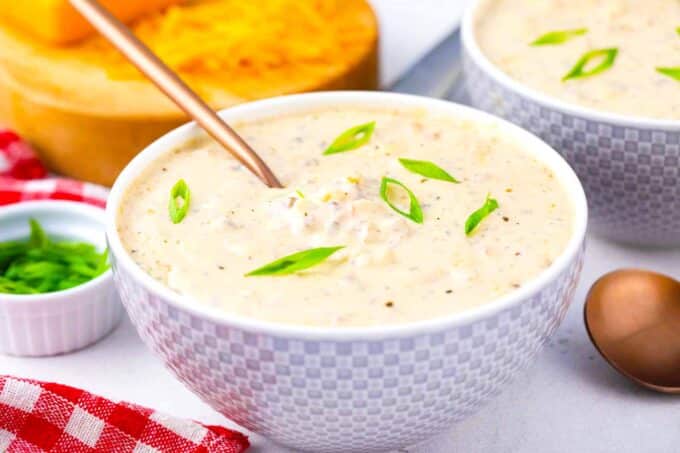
[
  {"x": 67, "y": 208},
  {"x": 471, "y": 47},
  {"x": 306, "y": 102}
]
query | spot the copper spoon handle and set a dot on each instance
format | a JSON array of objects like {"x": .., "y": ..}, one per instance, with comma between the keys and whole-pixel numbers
[{"x": 170, "y": 83}]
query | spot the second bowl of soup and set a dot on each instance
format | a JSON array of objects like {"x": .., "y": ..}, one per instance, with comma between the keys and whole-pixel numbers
[{"x": 600, "y": 82}]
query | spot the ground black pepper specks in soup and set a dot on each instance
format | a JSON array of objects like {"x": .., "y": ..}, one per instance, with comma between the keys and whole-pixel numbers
[{"x": 236, "y": 225}]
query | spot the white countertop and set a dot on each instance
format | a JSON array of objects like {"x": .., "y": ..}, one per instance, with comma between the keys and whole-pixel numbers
[{"x": 569, "y": 401}]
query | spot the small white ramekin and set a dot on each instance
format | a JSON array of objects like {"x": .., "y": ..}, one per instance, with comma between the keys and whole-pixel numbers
[{"x": 60, "y": 322}]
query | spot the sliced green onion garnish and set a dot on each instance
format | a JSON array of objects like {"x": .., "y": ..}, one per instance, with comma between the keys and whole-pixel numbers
[
  {"x": 673, "y": 73},
  {"x": 559, "y": 37},
  {"x": 415, "y": 212},
  {"x": 490, "y": 205},
  {"x": 351, "y": 139},
  {"x": 296, "y": 262},
  {"x": 40, "y": 265},
  {"x": 300, "y": 194},
  {"x": 180, "y": 198},
  {"x": 427, "y": 169},
  {"x": 8, "y": 286},
  {"x": 9, "y": 250},
  {"x": 606, "y": 57},
  {"x": 38, "y": 238}
]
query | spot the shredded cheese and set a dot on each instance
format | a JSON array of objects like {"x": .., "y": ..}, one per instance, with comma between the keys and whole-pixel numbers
[{"x": 250, "y": 43}]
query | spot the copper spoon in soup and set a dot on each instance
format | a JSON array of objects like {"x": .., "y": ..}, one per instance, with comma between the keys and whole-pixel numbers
[
  {"x": 633, "y": 319},
  {"x": 170, "y": 83}
]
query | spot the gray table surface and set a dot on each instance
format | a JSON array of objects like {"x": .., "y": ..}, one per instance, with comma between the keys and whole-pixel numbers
[{"x": 570, "y": 400}]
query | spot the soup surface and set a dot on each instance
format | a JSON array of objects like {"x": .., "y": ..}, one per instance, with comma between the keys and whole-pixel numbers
[
  {"x": 391, "y": 269},
  {"x": 646, "y": 35}
]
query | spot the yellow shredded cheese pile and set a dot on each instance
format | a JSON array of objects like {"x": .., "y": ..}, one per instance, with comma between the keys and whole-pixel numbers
[{"x": 250, "y": 43}]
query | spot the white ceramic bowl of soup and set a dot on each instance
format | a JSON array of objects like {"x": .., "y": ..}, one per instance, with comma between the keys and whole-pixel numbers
[
  {"x": 356, "y": 388},
  {"x": 627, "y": 153}
]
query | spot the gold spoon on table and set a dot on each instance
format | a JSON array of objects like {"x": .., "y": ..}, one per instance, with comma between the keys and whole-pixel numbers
[
  {"x": 169, "y": 82},
  {"x": 633, "y": 318}
]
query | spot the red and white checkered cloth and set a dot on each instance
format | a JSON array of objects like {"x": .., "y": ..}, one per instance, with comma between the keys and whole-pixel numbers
[
  {"x": 23, "y": 177},
  {"x": 38, "y": 417}
]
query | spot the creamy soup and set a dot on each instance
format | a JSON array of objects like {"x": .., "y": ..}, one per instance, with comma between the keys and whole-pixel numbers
[
  {"x": 644, "y": 79},
  {"x": 394, "y": 268}
]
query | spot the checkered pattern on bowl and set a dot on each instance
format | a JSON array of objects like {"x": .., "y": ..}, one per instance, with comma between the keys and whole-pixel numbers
[
  {"x": 333, "y": 396},
  {"x": 630, "y": 172}
]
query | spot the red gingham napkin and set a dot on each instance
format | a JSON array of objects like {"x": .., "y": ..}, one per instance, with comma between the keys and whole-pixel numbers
[
  {"x": 23, "y": 177},
  {"x": 39, "y": 417}
]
